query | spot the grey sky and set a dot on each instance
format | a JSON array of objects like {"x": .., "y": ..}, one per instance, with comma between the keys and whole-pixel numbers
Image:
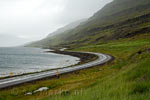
[{"x": 35, "y": 19}]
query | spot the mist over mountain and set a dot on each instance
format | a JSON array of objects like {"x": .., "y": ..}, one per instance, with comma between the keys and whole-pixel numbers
[
  {"x": 45, "y": 42},
  {"x": 35, "y": 19},
  {"x": 67, "y": 27},
  {"x": 118, "y": 19}
]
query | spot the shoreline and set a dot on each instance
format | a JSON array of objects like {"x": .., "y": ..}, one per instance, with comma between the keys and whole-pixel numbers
[
  {"x": 84, "y": 58},
  {"x": 16, "y": 81}
]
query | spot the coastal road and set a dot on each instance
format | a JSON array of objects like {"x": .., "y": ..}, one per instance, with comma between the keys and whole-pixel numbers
[{"x": 4, "y": 83}]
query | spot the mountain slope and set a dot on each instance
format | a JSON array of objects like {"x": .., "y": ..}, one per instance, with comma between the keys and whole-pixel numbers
[
  {"x": 118, "y": 19},
  {"x": 67, "y": 27},
  {"x": 45, "y": 42}
]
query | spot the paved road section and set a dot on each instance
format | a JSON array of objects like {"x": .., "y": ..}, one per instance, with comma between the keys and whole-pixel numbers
[{"x": 4, "y": 83}]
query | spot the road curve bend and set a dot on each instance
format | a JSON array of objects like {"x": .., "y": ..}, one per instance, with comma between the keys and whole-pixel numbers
[{"x": 4, "y": 83}]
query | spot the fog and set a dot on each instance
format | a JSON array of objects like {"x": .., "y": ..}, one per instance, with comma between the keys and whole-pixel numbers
[{"x": 30, "y": 20}]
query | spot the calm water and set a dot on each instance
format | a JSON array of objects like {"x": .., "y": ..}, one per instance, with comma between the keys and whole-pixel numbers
[{"x": 25, "y": 60}]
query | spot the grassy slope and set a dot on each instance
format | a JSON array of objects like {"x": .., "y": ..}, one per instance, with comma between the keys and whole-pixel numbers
[
  {"x": 125, "y": 29},
  {"x": 126, "y": 78},
  {"x": 106, "y": 22}
]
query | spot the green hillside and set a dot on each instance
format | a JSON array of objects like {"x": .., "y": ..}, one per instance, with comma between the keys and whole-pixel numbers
[
  {"x": 118, "y": 19},
  {"x": 120, "y": 29}
]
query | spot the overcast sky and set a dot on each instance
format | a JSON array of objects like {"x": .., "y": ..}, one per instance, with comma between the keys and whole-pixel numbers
[{"x": 35, "y": 19}]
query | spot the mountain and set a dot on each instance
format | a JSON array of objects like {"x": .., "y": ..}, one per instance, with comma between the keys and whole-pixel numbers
[
  {"x": 45, "y": 42},
  {"x": 118, "y": 19},
  {"x": 67, "y": 27},
  {"x": 9, "y": 40}
]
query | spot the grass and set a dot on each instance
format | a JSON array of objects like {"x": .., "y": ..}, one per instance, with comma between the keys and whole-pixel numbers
[
  {"x": 125, "y": 78},
  {"x": 131, "y": 82}
]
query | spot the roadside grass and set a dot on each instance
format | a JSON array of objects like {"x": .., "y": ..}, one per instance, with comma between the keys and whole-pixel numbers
[
  {"x": 125, "y": 78},
  {"x": 130, "y": 82}
]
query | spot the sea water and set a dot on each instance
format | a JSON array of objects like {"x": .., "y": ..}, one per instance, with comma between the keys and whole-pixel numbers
[{"x": 20, "y": 60}]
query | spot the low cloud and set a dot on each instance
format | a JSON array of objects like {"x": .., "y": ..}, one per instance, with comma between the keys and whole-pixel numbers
[{"x": 35, "y": 19}]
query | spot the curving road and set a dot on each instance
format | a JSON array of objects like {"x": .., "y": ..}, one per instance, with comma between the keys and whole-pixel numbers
[{"x": 102, "y": 58}]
